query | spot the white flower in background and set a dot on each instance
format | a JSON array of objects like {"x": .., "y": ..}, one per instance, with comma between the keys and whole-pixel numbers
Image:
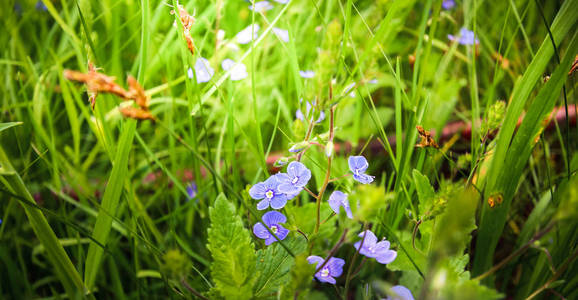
[
  {"x": 307, "y": 74},
  {"x": 239, "y": 70},
  {"x": 261, "y": 6},
  {"x": 373, "y": 81},
  {"x": 203, "y": 70},
  {"x": 282, "y": 34},
  {"x": 282, "y": 1},
  {"x": 244, "y": 36}
]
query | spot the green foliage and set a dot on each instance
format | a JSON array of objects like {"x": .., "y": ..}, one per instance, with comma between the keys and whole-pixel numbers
[
  {"x": 274, "y": 265},
  {"x": 233, "y": 268},
  {"x": 371, "y": 200}
]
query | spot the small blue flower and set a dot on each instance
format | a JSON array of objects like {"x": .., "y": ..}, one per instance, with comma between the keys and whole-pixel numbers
[
  {"x": 282, "y": 34},
  {"x": 239, "y": 70},
  {"x": 299, "y": 114},
  {"x": 203, "y": 70},
  {"x": 338, "y": 199},
  {"x": 307, "y": 74},
  {"x": 333, "y": 268},
  {"x": 400, "y": 292},
  {"x": 272, "y": 219},
  {"x": 466, "y": 37},
  {"x": 40, "y": 6},
  {"x": 358, "y": 165},
  {"x": 448, "y": 4},
  {"x": 282, "y": 1},
  {"x": 295, "y": 179},
  {"x": 249, "y": 33},
  {"x": 373, "y": 249},
  {"x": 192, "y": 190},
  {"x": 261, "y": 6},
  {"x": 269, "y": 192}
]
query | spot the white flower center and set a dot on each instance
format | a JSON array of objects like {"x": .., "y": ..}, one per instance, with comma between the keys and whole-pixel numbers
[
  {"x": 274, "y": 229},
  {"x": 269, "y": 194},
  {"x": 294, "y": 181},
  {"x": 325, "y": 272}
]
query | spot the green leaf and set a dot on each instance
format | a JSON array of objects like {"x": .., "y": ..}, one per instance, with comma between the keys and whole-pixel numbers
[
  {"x": 233, "y": 267},
  {"x": 511, "y": 154},
  {"x": 63, "y": 267},
  {"x": 425, "y": 191},
  {"x": 274, "y": 263},
  {"x": 110, "y": 202},
  {"x": 4, "y": 126}
]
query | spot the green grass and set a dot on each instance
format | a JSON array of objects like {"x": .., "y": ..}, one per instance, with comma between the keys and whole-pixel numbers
[{"x": 94, "y": 205}]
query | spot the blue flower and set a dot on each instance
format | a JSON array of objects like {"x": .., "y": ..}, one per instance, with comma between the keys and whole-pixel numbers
[
  {"x": 192, "y": 190},
  {"x": 40, "y": 6},
  {"x": 466, "y": 37},
  {"x": 299, "y": 114},
  {"x": 307, "y": 74},
  {"x": 333, "y": 268},
  {"x": 272, "y": 219},
  {"x": 249, "y": 33},
  {"x": 448, "y": 4},
  {"x": 358, "y": 165},
  {"x": 239, "y": 70},
  {"x": 269, "y": 192},
  {"x": 203, "y": 70},
  {"x": 282, "y": 1},
  {"x": 373, "y": 249},
  {"x": 295, "y": 179},
  {"x": 261, "y": 6},
  {"x": 338, "y": 199},
  {"x": 282, "y": 34},
  {"x": 400, "y": 292}
]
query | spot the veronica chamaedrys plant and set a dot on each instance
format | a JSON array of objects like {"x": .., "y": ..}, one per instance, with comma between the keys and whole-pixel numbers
[
  {"x": 249, "y": 33},
  {"x": 333, "y": 268},
  {"x": 448, "y": 4},
  {"x": 261, "y": 6},
  {"x": 203, "y": 70},
  {"x": 307, "y": 74},
  {"x": 273, "y": 220},
  {"x": 238, "y": 70},
  {"x": 269, "y": 192},
  {"x": 339, "y": 199},
  {"x": 358, "y": 165},
  {"x": 400, "y": 292},
  {"x": 299, "y": 114},
  {"x": 465, "y": 37},
  {"x": 282, "y": 34},
  {"x": 373, "y": 249},
  {"x": 293, "y": 182}
]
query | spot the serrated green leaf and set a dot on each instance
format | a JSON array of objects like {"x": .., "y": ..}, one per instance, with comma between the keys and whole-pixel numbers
[
  {"x": 274, "y": 264},
  {"x": 233, "y": 253},
  {"x": 425, "y": 191}
]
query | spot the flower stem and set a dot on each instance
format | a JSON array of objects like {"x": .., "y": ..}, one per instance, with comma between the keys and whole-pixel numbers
[{"x": 327, "y": 173}]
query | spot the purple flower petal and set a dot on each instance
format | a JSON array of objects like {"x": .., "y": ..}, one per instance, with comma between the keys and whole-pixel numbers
[
  {"x": 282, "y": 34},
  {"x": 244, "y": 36},
  {"x": 363, "y": 178},
  {"x": 338, "y": 199},
  {"x": 274, "y": 217},
  {"x": 448, "y": 4},
  {"x": 281, "y": 233},
  {"x": 261, "y": 6},
  {"x": 307, "y": 74},
  {"x": 203, "y": 70},
  {"x": 260, "y": 231},
  {"x": 387, "y": 257},
  {"x": 335, "y": 266},
  {"x": 257, "y": 191},
  {"x": 278, "y": 201},
  {"x": 400, "y": 293},
  {"x": 314, "y": 259},
  {"x": 263, "y": 204},
  {"x": 358, "y": 163}
]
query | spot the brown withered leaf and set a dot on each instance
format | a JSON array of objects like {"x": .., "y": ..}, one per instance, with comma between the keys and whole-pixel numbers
[{"x": 426, "y": 139}]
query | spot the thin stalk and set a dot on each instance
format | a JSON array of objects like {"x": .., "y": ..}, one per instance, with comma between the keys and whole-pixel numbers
[{"x": 328, "y": 172}]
